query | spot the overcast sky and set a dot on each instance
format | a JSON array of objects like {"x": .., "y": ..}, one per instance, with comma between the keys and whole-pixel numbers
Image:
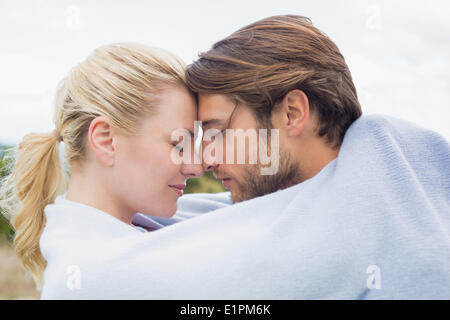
[{"x": 397, "y": 51}]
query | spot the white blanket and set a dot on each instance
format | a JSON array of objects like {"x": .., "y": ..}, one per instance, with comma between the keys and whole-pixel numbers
[{"x": 373, "y": 224}]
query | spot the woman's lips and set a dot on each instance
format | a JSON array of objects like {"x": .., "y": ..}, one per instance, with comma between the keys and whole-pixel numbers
[{"x": 178, "y": 188}]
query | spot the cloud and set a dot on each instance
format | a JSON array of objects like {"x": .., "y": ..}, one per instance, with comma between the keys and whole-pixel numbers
[
  {"x": 397, "y": 51},
  {"x": 27, "y": 88}
]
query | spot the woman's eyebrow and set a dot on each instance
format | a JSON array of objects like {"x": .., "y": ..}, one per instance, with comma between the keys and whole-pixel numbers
[
  {"x": 190, "y": 131},
  {"x": 169, "y": 135}
]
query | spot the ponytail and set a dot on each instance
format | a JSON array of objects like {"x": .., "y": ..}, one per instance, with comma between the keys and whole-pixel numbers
[
  {"x": 115, "y": 81},
  {"x": 36, "y": 179}
]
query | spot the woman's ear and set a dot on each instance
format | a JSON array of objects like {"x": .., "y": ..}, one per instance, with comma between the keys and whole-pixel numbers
[
  {"x": 101, "y": 140},
  {"x": 294, "y": 112}
]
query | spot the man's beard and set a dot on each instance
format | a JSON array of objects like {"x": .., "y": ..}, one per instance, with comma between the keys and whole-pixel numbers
[{"x": 253, "y": 184}]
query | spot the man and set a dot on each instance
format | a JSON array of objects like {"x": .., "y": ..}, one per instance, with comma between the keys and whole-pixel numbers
[{"x": 283, "y": 73}]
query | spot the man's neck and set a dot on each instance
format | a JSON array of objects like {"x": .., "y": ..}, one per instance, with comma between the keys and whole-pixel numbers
[{"x": 315, "y": 156}]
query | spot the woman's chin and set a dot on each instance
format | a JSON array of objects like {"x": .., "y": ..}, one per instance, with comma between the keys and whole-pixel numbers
[
  {"x": 166, "y": 211},
  {"x": 169, "y": 213}
]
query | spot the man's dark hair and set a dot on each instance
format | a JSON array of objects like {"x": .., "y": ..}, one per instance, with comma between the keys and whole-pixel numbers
[{"x": 260, "y": 63}]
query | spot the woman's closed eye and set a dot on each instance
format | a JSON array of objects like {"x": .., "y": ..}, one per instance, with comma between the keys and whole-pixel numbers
[{"x": 178, "y": 147}]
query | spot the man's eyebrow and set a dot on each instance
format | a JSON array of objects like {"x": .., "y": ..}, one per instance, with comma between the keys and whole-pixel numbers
[{"x": 210, "y": 122}]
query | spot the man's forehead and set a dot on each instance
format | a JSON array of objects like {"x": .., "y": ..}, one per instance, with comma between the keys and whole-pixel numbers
[{"x": 214, "y": 107}]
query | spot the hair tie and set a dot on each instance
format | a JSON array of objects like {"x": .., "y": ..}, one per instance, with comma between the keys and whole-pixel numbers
[{"x": 57, "y": 135}]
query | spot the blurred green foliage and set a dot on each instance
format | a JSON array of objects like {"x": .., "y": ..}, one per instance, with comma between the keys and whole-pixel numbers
[
  {"x": 204, "y": 184},
  {"x": 5, "y": 228}
]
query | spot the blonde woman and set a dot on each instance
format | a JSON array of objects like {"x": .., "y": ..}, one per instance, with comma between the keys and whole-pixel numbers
[{"x": 115, "y": 113}]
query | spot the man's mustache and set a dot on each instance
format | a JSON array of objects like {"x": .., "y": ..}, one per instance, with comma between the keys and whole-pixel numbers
[{"x": 221, "y": 175}]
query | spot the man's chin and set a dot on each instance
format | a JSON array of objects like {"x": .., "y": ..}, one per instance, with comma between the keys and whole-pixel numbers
[
  {"x": 234, "y": 199},
  {"x": 234, "y": 195},
  {"x": 238, "y": 195}
]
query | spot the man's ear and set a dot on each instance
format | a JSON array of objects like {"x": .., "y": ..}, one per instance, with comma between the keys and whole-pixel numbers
[
  {"x": 294, "y": 112},
  {"x": 101, "y": 140}
]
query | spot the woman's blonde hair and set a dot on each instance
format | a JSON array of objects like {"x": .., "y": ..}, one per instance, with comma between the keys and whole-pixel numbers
[{"x": 119, "y": 81}]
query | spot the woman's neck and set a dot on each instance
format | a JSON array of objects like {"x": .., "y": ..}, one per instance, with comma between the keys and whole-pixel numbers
[{"x": 87, "y": 187}]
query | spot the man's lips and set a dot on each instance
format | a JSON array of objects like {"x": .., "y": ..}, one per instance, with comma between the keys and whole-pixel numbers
[
  {"x": 225, "y": 182},
  {"x": 178, "y": 188}
]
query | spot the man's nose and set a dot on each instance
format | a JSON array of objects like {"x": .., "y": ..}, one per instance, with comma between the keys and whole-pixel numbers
[
  {"x": 192, "y": 170},
  {"x": 209, "y": 162},
  {"x": 210, "y": 166}
]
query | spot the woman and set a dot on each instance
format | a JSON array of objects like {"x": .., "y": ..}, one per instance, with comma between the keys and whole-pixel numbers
[{"x": 115, "y": 113}]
